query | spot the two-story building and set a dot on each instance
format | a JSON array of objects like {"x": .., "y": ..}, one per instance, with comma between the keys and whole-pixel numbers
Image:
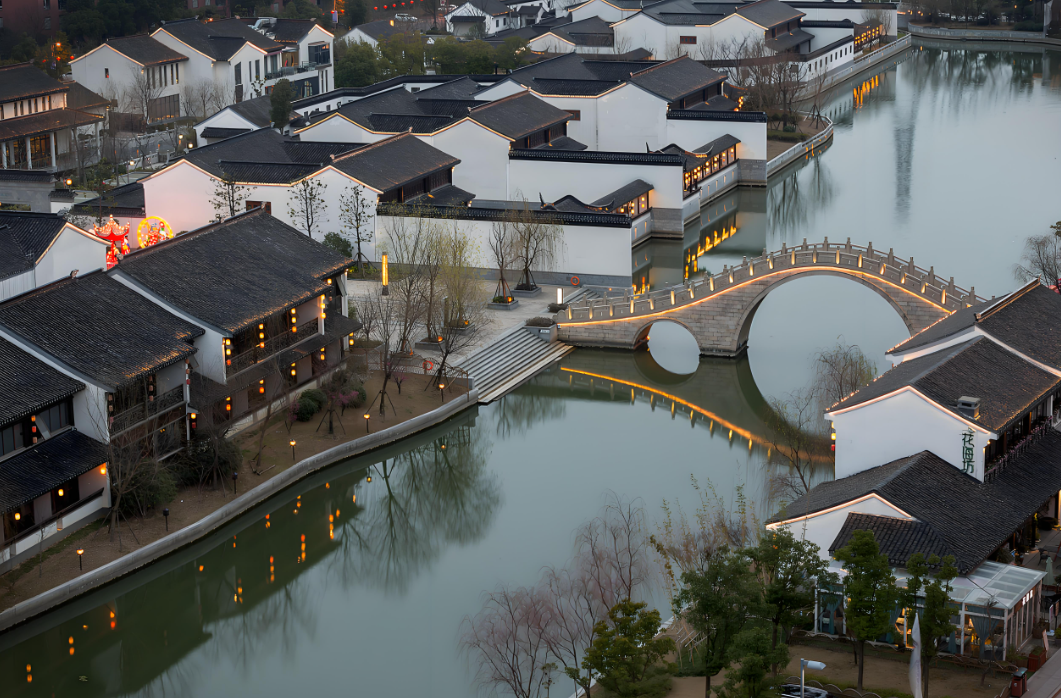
[
  {"x": 275, "y": 316},
  {"x": 306, "y": 59},
  {"x": 140, "y": 74},
  {"x": 37, "y": 128}
]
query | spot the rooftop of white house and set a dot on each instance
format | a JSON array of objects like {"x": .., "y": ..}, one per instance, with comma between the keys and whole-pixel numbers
[
  {"x": 253, "y": 264},
  {"x": 35, "y": 470},
  {"x": 1005, "y": 384},
  {"x": 1015, "y": 320},
  {"x": 219, "y": 40},
  {"x": 961, "y": 515},
  {"x": 98, "y": 328},
  {"x": 264, "y": 156},
  {"x": 765, "y": 13},
  {"x": 144, "y": 50}
]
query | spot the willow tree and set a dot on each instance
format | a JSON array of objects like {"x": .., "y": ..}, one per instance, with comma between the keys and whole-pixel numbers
[
  {"x": 539, "y": 241},
  {"x": 463, "y": 309}
]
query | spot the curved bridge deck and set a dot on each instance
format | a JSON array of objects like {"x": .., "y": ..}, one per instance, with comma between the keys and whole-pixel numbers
[{"x": 718, "y": 309}]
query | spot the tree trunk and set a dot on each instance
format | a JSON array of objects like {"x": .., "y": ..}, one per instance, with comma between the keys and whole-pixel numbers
[
  {"x": 707, "y": 682},
  {"x": 924, "y": 677},
  {"x": 861, "y": 661}
]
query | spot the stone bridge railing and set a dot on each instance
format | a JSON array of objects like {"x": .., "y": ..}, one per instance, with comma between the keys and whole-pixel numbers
[{"x": 819, "y": 257}]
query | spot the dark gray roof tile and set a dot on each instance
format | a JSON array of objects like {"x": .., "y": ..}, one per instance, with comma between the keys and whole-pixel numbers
[
  {"x": 27, "y": 384},
  {"x": 518, "y": 115},
  {"x": 46, "y": 465},
  {"x": 393, "y": 162},
  {"x": 769, "y": 13},
  {"x": 100, "y": 328},
  {"x": 899, "y": 539},
  {"x": 145, "y": 50},
  {"x": 234, "y": 273},
  {"x": 22, "y": 80},
  {"x": 23, "y": 239},
  {"x": 676, "y": 79},
  {"x": 219, "y": 39}
]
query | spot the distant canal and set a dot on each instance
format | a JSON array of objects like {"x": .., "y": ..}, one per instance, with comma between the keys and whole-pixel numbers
[{"x": 355, "y": 582}]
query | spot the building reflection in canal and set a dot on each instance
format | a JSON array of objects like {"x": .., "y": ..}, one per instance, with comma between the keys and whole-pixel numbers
[{"x": 377, "y": 524}]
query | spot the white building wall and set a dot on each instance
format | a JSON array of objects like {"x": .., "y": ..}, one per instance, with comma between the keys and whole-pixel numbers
[
  {"x": 693, "y": 133},
  {"x": 90, "y": 411},
  {"x": 900, "y": 426},
  {"x": 226, "y": 118},
  {"x": 339, "y": 129},
  {"x": 629, "y": 118},
  {"x": 841, "y": 11},
  {"x": 483, "y": 154},
  {"x": 109, "y": 73},
  {"x": 356, "y": 36},
  {"x": 72, "y": 249},
  {"x": 180, "y": 194},
  {"x": 589, "y": 181},
  {"x": 502, "y": 89},
  {"x": 15, "y": 285},
  {"x": 822, "y": 529},
  {"x": 198, "y": 66},
  {"x": 641, "y": 31},
  {"x": 599, "y": 8},
  {"x": 587, "y": 250},
  {"x": 550, "y": 43}
]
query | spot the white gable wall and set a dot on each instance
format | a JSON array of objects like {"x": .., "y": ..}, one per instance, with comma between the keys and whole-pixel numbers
[
  {"x": 641, "y": 31},
  {"x": 630, "y": 117},
  {"x": 822, "y": 529},
  {"x": 339, "y": 129},
  {"x": 693, "y": 133},
  {"x": 599, "y": 8},
  {"x": 72, "y": 249},
  {"x": 589, "y": 181},
  {"x": 502, "y": 89},
  {"x": 898, "y": 426},
  {"x": 483, "y": 154}
]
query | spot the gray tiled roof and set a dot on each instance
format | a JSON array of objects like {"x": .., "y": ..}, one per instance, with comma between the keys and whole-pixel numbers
[
  {"x": 23, "y": 80},
  {"x": 518, "y": 115},
  {"x": 393, "y": 162},
  {"x": 145, "y": 50},
  {"x": 100, "y": 328},
  {"x": 263, "y": 147},
  {"x": 219, "y": 39},
  {"x": 44, "y": 122},
  {"x": 898, "y": 538},
  {"x": 1026, "y": 320},
  {"x": 28, "y": 385},
  {"x": 623, "y": 195},
  {"x": 46, "y": 465},
  {"x": 291, "y": 30},
  {"x": 81, "y": 98},
  {"x": 234, "y": 273},
  {"x": 1006, "y": 384},
  {"x": 676, "y": 79},
  {"x": 215, "y": 132},
  {"x": 972, "y": 518},
  {"x": 23, "y": 239},
  {"x": 788, "y": 40},
  {"x": 254, "y": 110},
  {"x": 769, "y": 13},
  {"x": 380, "y": 29},
  {"x": 446, "y": 195},
  {"x": 128, "y": 197}
]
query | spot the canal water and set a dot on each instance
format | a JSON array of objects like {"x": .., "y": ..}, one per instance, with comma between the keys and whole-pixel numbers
[{"x": 356, "y": 581}]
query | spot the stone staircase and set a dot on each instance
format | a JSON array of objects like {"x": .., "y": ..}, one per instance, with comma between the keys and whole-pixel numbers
[{"x": 510, "y": 360}]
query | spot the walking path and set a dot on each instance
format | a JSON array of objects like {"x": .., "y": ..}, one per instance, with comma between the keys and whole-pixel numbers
[{"x": 1046, "y": 683}]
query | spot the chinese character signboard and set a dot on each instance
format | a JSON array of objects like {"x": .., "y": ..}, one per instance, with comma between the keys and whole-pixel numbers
[{"x": 967, "y": 453}]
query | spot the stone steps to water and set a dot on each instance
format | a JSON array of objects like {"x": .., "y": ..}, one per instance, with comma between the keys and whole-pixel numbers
[{"x": 510, "y": 360}]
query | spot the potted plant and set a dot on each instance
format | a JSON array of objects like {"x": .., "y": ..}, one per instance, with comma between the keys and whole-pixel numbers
[
  {"x": 1035, "y": 659},
  {"x": 544, "y": 327}
]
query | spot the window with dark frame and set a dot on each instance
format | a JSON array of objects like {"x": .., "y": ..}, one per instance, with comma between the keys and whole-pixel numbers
[
  {"x": 576, "y": 114},
  {"x": 268, "y": 205},
  {"x": 687, "y": 40}
]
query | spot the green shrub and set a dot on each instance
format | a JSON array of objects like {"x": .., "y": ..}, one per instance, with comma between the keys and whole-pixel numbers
[
  {"x": 1029, "y": 25},
  {"x": 195, "y": 463},
  {"x": 540, "y": 322},
  {"x": 316, "y": 396},
  {"x": 340, "y": 244},
  {"x": 306, "y": 409},
  {"x": 151, "y": 484}
]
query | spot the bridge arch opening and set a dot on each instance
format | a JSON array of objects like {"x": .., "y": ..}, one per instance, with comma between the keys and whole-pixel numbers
[
  {"x": 672, "y": 345},
  {"x": 784, "y": 331}
]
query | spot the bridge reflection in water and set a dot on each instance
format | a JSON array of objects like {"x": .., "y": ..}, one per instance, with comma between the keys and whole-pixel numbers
[{"x": 380, "y": 534}]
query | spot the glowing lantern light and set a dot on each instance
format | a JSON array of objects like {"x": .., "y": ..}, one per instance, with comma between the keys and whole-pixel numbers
[
  {"x": 117, "y": 236},
  {"x": 153, "y": 230}
]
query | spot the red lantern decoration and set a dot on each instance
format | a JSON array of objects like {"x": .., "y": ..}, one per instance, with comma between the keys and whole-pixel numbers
[{"x": 117, "y": 236}]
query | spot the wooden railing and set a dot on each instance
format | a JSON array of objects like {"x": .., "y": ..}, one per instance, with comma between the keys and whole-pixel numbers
[
  {"x": 848, "y": 257},
  {"x": 269, "y": 347},
  {"x": 138, "y": 413}
]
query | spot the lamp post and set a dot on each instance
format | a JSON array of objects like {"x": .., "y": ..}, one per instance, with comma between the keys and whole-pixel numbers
[
  {"x": 559, "y": 295},
  {"x": 385, "y": 275},
  {"x": 441, "y": 389},
  {"x": 366, "y": 423},
  {"x": 165, "y": 515},
  {"x": 80, "y": 552},
  {"x": 292, "y": 442},
  {"x": 234, "y": 476},
  {"x": 805, "y": 664}
]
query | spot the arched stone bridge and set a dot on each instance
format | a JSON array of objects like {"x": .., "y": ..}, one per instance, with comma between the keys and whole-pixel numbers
[{"x": 718, "y": 310}]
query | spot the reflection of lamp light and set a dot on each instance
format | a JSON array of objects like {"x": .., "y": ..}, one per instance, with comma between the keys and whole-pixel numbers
[{"x": 385, "y": 275}]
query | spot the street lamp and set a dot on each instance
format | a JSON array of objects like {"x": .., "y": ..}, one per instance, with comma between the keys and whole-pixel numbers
[
  {"x": 234, "y": 476},
  {"x": 165, "y": 515},
  {"x": 366, "y": 423},
  {"x": 384, "y": 275},
  {"x": 80, "y": 552},
  {"x": 805, "y": 664},
  {"x": 441, "y": 388},
  {"x": 292, "y": 442}
]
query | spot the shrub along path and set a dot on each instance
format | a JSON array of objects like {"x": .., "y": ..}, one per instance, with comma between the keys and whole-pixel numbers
[{"x": 60, "y": 562}]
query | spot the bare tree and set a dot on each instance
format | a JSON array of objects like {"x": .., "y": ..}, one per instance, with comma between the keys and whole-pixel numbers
[
  {"x": 1042, "y": 257},
  {"x": 355, "y": 210},
  {"x": 222, "y": 95},
  {"x": 506, "y": 641},
  {"x": 502, "y": 244},
  {"x": 228, "y": 197},
  {"x": 539, "y": 241},
  {"x": 795, "y": 434},
  {"x": 141, "y": 92},
  {"x": 198, "y": 97},
  {"x": 385, "y": 317},
  {"x": 305, "y": 207},
  {"x": 840, "y": 371},
  {"x": 882, "y": 17},
  {"x": 409, "y": 232},
  {"x": 464, "y": 315}
]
